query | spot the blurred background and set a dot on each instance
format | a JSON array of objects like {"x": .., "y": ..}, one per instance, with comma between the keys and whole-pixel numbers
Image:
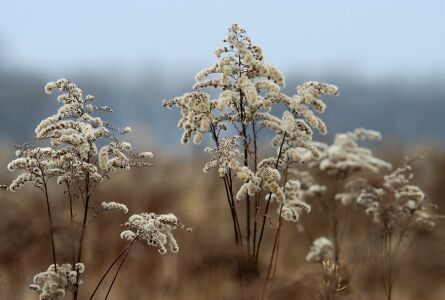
[{"x": 386, "y": 57}]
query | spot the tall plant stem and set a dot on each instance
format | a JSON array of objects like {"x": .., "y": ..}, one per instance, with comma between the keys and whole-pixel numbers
[
  {"x": 123, "y": 252},
  {"x": 229, "y": 193},
  {"x": 117, "y": 272},
  {"x": 246, "y": 163},
  {"x": 84, "y": 222},
  {"x": 85, "y": 217},
  {"x": 51, "y": 231},
  {"x": 257, "y": 197},
  {"x": 335, "y": 234},
  {"x": 388, "y": 255},
  {"x": 266, "y": 210},
  {"x": 333, "y": 208},
  {"x": 246, "y": 154},
  {"x": 276, "y": 245},
  {"x": 274, "y": 254},
  {"x": 230, "y": 200},
  {"x": 73, "y": 255},
  {"x": 227, "y": 186}
]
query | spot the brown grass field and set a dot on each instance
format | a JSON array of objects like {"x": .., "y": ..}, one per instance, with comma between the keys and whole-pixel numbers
[{"x": 204, "y": 268}]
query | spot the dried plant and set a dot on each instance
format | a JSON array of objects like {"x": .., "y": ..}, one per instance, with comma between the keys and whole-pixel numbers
[
  {"x": 154, "y": 229},
  {"x": 399, "y": 209},
  {"x": 249, "y": 96},
  {"x": 397, "y": 206},
  {"x": 70, "y": 154},
  {"x": 53, "y": 283},
  {"x": 340, "y": 162},
  {"x": 237, "y": 109},
  {"x": 345, "y": 156},
  {"x": 333, "y": 282},
  {"x": 321, "y": 250}
]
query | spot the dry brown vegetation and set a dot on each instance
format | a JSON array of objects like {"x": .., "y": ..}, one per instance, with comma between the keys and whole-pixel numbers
[
  {"x": 205, "y": 268},
  {"x": 309, "y": 220}
]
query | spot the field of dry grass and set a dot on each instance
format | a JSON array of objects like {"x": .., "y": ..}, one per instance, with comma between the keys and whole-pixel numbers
[
  {"x": 301, "y": 157},
  {"x": 204, "y": 268}
]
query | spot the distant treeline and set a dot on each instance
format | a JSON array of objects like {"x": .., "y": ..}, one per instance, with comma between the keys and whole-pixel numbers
[{"x": 399, "y": 108}]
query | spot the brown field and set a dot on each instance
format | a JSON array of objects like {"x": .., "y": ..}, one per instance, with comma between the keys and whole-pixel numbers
[{"x": 204, "y": 268}]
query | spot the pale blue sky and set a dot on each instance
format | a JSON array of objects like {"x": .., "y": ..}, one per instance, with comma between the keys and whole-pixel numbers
[{"x": 374, "y": 38}]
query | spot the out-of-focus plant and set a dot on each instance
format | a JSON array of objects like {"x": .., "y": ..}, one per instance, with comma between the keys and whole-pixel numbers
[
  {"x": 399, "y": 211},
  {"x": 341, "y": 162},
  {"x": 398, "y": 207}
]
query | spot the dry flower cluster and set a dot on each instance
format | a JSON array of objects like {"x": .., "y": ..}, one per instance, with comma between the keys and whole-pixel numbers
[
  {"x": 398, "y": 207},
  {"x": 53, "y": 284},
  {"x": 249, "y": 90},
  {"x": 153, "y": 229},
  {"x": 79, "y": 150},
  {"x": 74, "y": 159}
]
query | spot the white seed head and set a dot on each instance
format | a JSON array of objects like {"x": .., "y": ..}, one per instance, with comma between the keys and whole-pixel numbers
[
  {"x": 114, "y": 206},
  {"x": 321, "y": 250}
]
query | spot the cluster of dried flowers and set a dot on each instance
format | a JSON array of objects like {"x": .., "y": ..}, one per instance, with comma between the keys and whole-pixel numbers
[
  {"x": 396, "y": 200},
  {"x": 249, "y": 90},
  {"x": 155, "y": 230},
  {"x": 80, "y": 150},
  {"x": 73, "y": 157},
  {"x": 338, "y": 162},
  {"x": 398, "y": 207},
  {"x": 114, "y": 206},
  {"x": 54, "y": 282},
  {"x": 247, "y": 99},
  {"x": 345, "y": 156},
  {"x": 321, "y": 250},
  {"x": 73, "y": 133}
]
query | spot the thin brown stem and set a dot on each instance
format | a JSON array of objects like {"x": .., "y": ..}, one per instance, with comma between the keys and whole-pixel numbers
[
  {"x": 73, "y": 255},
  {"x": 266, "y": 210},
  {"x": 331, "y": 208},
  {"x": 275, "y": 246},
  {"x": 232, "y": 197},
  {"x": 228, "y": 185},
  {"x": 51, "y": 231},
  {"x": 232, "y": 211},
  {"x": 257, "y": 197},
  {"x": 85, "y": 218},
  {"x": 229, "y": 193},
  {"x": 48, "y": 208},
  {"x": 274, "y": 255},
  {"x": 386, "y": 253},
  {"x": 117, "y": 272},
  {"x": 335, "y": 234},
  {"x": 84, "y": 222},
  {"x": 123, "y": 252},
  {"x": 389, "y": 264},
  {"x": 246, "y": 162}
]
